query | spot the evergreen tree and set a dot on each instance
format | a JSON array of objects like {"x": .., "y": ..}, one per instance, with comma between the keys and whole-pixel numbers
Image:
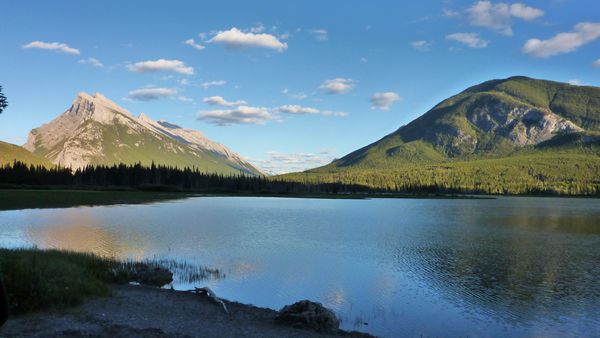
[{"x": 3, "y": 101}]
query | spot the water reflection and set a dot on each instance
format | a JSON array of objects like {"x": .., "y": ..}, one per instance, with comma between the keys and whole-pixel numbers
[
  {"x": 79, "y": 229},
  {"x": 523, "y": 267},
  {"x": 242, "y": 270},
  {"x": 509, "y": 270},
  {"x": 554, "y": 221},
  {"x": 185, "y": 273}
]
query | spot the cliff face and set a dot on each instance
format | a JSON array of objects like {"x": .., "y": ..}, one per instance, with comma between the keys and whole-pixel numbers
[{"x": 521, "y": 125}]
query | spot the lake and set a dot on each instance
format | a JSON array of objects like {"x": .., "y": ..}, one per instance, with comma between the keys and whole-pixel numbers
[{"x": 511, "y": 266}]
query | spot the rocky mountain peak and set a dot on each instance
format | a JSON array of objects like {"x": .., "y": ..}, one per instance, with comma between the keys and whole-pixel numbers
[
  {"x": 96, "y": 107},
  {"x": 144, "y": 118},
  {"x": 97, "y": 130},
  {"x": 84, "y": 96}
]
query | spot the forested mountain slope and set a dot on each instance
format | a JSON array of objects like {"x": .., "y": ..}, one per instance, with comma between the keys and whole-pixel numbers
[{"x": 515, "y": 135}]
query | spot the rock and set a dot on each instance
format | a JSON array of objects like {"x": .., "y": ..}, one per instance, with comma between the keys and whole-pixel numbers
[
  {"x": 152, "y": 275},
  {"x": 521, "y": 125},
  {"x": 308, "y": 315}
]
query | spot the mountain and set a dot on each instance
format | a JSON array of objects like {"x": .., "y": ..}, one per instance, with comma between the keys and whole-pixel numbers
[
  {"x": 10, "y": 153},
  {"x": 492, "y": 119},
  {"x": 544, "y": 134},
  {"x": 95, "y": 130}
]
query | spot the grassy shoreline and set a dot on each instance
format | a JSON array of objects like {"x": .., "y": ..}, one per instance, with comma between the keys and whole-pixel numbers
[
  {"x": 27, "y": 198},
  {"x": 66, "y": 293},
  {"x": 51, "y": 279},
  {"x": 40, "y": 279}
]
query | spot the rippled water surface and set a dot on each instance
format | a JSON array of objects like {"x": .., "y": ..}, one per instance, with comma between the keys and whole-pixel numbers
[{"x": 503, "y": 267}]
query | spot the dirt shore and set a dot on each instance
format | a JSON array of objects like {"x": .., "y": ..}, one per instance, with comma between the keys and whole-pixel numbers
[{"x": 139, "y": 311}]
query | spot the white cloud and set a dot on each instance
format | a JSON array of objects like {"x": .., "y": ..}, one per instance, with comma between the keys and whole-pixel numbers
[
  {"x": 91, "y": 61},
  {"x": 297, "y": 96},
  {"x": 422, "y": 45},
  {"x": 472, "y": 40},
  {"x": 238, "y": 115},
  {"x": 337, "y": 86},
  {"x": 596, "y": 63},
  {"x": 56, "y": 46},
  {"x": 486, "y": 14},
  {"x": 363, "y": 60},
  {"x": 150, "y": 94},
  {"x": 335, "y": 113},
  {"x": 319, "y": 34},
  {"x": 259, "y": 28},
  {"x": 582, "y": 33},
  {"x": 296, "y": 109},
  {"x": 301, "y": 110},
  {"x": 191, "y": 42},
  {"x": 280, "y": 163},
  {"x": 450, "y": 13},
  {"x": 242, "y": 114},
  {"x": 384, "y": 100},
  {"x": 524, "y": 12},
  {"x": 185, "y": 99},
  {"x": 220, "y": 101},
  {"x": 498, "y": 16},
  {"x": 161, "y": 65},
  {"x": 236, "y": 38},
  {"x": 209, "y": 84},
  {"x": 575, "y": 82}
]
